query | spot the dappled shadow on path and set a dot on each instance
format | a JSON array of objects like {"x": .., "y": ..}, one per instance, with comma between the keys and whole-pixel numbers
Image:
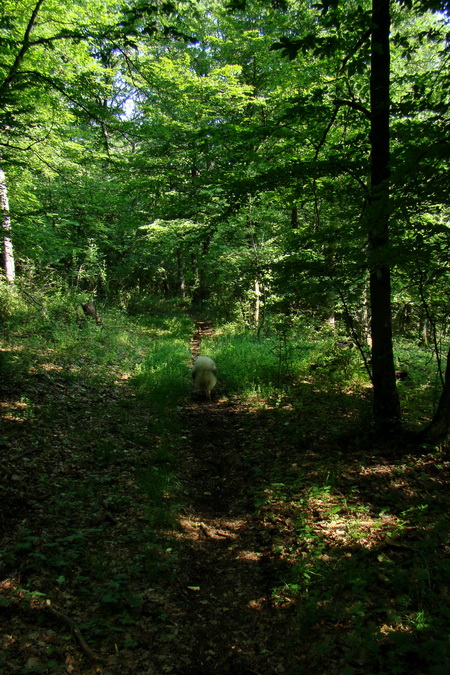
[
  {"x": 301, "y": 546},
  {"x": 225, "y": 564},
  {"x": 221, "y": 609}
]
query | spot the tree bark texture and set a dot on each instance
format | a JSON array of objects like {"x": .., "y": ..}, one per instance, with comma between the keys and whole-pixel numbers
[
  {"x": 5, "y": 219},
  {"x": 386, "y": 404}
]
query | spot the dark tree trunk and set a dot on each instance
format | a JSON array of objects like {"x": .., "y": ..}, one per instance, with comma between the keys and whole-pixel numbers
[
  {"x": 386, "y": 403},
  {"x": 202, "y": 292},
  {"x": 294, "y": 217}
]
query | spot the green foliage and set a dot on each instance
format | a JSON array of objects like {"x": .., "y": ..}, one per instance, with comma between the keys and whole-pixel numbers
[
  {"x": 12, "y": 303},
  {"x": 284, "y": 353},
  {"x": 42, "y": 310},
  {"x": 162, "y": 376},
  {"x": 230, "y": 167},
  {"x": 246, "y": 365}
]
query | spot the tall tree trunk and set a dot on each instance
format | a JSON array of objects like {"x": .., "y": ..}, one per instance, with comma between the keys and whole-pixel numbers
[
  {"x": 386, "y": 404},
  {"x": 202, "y": 291},
  {"x": 8, "y": 254},
  {"x": 294, "y": 217}
]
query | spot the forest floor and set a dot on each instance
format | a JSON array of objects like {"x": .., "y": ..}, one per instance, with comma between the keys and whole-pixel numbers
[{"x": 293, "y": 544}]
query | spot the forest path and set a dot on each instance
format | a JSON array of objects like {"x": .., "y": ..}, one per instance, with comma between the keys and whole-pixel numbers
[
  {"x": 223, "y": 567},
  {"x": 208, "y": 537},
  {"x": 188, "y": 594}
]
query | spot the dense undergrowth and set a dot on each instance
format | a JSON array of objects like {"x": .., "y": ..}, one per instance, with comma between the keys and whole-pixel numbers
[{"x": 356, "y": 532}]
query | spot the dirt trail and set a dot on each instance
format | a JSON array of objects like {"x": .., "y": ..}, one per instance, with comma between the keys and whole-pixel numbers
[
  {"x": 224, "y": 571},
  {"x": 204, "y": 589}
]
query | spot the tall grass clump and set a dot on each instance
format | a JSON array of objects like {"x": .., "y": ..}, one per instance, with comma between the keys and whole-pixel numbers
[
  {"x": 13, "y": 308},
  {"x": 246, "y": 365},
  {"x": 283, "y": 354},
  {"x": 162, "y": 381},
  {"x": 163, "y": 375}
]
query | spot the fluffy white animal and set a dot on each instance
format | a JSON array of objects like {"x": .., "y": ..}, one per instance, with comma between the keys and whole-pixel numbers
[{"x": 204, "y": 375}]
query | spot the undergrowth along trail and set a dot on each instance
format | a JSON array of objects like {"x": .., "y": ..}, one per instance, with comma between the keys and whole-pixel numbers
[{"x": 266, "y": 534}]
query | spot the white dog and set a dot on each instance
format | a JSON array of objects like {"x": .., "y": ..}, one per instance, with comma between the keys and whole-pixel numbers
[{"x": 204, "y": 375}]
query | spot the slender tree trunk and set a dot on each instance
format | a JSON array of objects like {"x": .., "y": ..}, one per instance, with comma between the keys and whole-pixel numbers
[
  {"x": 386, "y": 403},
  {"x": 180, "y": 274},
  {"x": 203, "y": 290},
  {"x": 438, "y": 429},
  {"x": 8, "y": 254},
  {"x": 257, "y": 302},
  {"x": 294, "y": 217}
]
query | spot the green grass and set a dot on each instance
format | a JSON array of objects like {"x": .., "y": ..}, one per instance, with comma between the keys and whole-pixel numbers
[
  {"x": 278, "y": 362},
  {"x": 245, "y": 365},
  {"x": 270, "y": 365},
  {"x": 163, "y": 376},
  {"x": 104, "y": 398}
]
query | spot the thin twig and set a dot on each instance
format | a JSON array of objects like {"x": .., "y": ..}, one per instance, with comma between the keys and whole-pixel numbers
[
  {"x": 74, "y": 628},
  {"x": 352, "y": 330},
  {"x": 433, "y": 326}
]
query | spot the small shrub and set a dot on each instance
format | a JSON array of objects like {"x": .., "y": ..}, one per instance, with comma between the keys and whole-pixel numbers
[{"x": 13, "y": 308}]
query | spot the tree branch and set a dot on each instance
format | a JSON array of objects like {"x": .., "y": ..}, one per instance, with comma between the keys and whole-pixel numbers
[
  {"x": 25, "y": 46},
  {"x": 364, "y": 38},
  {"x": 326, "y": 132},
  {"x": 433, "y": 326},
  {"x": 353, "y": 104}
]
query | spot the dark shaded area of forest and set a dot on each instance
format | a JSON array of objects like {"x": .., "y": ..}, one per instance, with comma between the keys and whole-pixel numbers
[{"x": 145, "y": 529}]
